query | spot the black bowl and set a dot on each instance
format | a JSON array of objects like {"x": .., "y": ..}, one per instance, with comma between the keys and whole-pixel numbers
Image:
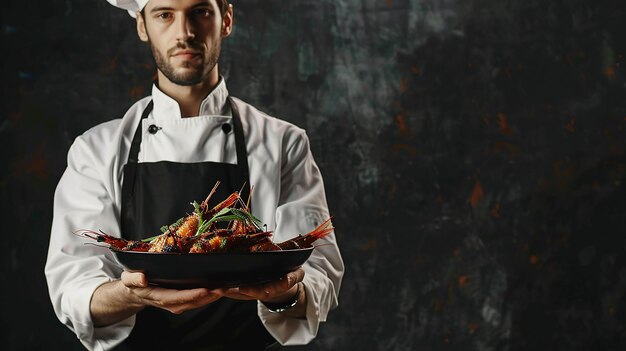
[{"x": 212, "y": 270}]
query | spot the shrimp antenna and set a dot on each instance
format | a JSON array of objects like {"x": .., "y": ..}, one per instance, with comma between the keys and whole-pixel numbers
[
  {"x": 239, "y": 199},
  {"x": 86, "y": 233},
  {"x": 243, "y": 186},
  {"x": 205, "y": 203},
  {"x": 249, "y": 198}
]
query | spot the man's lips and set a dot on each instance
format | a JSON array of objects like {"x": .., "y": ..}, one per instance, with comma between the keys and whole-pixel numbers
[{"x": 186, "y": 54}]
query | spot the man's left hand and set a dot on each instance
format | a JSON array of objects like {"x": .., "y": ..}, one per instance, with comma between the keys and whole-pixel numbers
[{"x": 276, "y": 291}]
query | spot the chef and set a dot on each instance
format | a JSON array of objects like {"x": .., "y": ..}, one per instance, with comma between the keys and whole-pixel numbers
[{"x": 130, "y": 176}]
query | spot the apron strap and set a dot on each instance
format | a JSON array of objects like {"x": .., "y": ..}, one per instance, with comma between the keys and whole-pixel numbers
[
  {"x": 242, "y": 153},
  {"x": 133, "y": 157}
]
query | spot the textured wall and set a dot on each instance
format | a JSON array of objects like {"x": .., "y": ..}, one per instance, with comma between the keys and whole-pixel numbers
[{"x": 474, "y": 156}]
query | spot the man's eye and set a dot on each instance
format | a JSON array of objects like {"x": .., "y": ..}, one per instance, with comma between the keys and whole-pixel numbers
[
  {"x": 164, "y": 15},
  {"x": 203, "y": 12}
]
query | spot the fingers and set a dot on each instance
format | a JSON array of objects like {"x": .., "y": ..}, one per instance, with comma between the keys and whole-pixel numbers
[
  {"x": 175, "y": 301},
  {"x": 276, "y": 290},
  {"x": 174, "y": 297},
  {"x": 179, "y": 301},
  {"x": 134, "y": 279},
  {"x": 295, "y": 277},
  {"x": 234, "y": 293}
]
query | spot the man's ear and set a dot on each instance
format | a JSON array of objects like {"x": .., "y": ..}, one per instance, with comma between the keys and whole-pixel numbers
[
  {"x": 227, "y": 21},
  {"x": 141, "y": 27}
]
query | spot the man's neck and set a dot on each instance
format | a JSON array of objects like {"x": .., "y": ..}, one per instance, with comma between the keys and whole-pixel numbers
[{"x": 189, "y": 98}]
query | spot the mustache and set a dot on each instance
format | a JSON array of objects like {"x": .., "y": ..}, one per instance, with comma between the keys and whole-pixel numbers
[{"x": 185, "y": 46}]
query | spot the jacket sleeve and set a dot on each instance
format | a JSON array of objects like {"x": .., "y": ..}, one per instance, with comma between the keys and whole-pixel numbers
[
  {"x": 302, "y": 207},
  {"x": 75, "y": 267}
]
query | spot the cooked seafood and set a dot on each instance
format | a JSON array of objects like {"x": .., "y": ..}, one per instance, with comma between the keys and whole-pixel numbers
[{"x": 198, "y": 232}]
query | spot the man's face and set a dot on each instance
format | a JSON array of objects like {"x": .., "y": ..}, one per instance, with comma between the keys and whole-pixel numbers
[{"x": 185, "y": 37}]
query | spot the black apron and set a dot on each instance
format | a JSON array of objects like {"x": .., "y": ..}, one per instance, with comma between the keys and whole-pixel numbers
[{"x": 159, "y": 193}]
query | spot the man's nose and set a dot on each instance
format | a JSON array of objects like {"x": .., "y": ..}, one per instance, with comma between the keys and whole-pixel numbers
[{"x": 185, "y": 29}]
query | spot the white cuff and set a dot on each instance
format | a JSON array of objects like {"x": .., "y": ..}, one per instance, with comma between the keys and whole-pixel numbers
[
  {"x": 294, "y": 331},
  {"x": 79, "y": 319}
]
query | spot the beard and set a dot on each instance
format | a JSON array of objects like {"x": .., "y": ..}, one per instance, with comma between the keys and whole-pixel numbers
[{"x": 194, "y": 72}]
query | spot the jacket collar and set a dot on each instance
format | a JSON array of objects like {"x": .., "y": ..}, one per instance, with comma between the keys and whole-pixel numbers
[{"x": 214, "y": 104}]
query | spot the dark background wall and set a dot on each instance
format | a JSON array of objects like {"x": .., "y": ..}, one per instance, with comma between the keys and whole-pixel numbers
[{"x": 474, "y": 156}]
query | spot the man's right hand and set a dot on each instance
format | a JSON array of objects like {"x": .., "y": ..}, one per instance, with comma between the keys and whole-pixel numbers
[{"x": 117, "y": 300}]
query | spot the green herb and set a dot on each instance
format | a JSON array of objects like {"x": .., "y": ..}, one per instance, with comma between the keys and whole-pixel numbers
[
  {"x": 174, "y": 225},
  {"x": 147, "y": 240},
  {"x": 249, "y": 218},
  {"x": 201, "y": 223}
]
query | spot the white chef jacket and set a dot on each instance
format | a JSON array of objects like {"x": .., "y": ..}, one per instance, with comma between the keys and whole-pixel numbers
[{"x": 288, "y": 196}]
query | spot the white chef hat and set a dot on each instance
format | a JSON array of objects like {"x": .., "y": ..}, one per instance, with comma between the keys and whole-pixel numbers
[{"x": 131, "y": 6}]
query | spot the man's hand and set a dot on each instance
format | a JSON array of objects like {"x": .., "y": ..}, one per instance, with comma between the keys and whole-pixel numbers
[
  {"x": 115, "y": 301},
  {"x": 278, "y": 291},
  {"x": 175, "y": 301}
]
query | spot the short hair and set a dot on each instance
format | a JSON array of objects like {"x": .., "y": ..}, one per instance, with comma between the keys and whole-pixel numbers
[{"x": 223, "y": 5}]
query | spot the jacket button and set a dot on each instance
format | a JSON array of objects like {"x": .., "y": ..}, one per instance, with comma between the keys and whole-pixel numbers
[
  {"x": 153, "y": 129},
  {"x": 226, "y": 128}
]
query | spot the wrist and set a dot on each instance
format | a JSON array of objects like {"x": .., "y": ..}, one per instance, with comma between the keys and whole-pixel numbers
[
  {"x": 287, "y": 301},
  {"x": 113, "y": 302},
  {"x": 130, "y": 298}
]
